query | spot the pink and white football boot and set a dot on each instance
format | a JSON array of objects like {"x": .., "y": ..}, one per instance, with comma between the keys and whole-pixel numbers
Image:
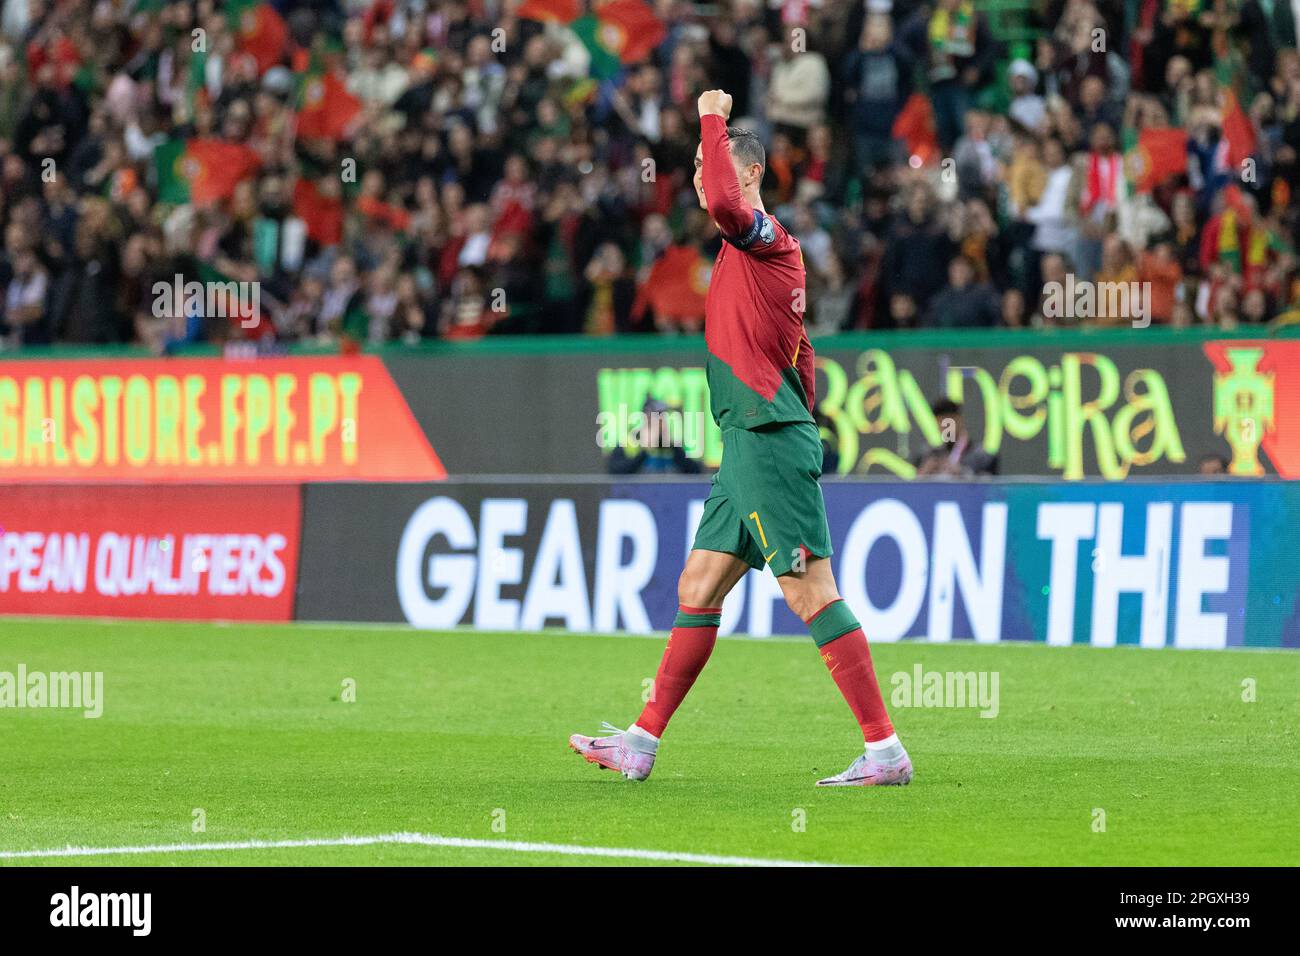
[
  {"x": 630, "y": 754},
  {"x": 866, "y": 771}
]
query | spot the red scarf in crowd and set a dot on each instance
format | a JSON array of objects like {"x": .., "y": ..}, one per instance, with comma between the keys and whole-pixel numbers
[{"x": 1103, "y": 181}]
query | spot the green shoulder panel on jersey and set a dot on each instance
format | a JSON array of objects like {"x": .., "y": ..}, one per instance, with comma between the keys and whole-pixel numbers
[{"x": 736, "y": 405}]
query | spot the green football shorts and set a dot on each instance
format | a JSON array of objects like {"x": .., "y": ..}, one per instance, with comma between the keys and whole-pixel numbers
[{"x": 766, "y": 506}]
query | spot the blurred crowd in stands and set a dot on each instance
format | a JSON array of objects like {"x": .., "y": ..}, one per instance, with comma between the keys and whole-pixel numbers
[{"x": 402, "y": 170}]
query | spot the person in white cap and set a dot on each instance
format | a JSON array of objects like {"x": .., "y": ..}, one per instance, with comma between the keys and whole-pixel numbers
[{"x": 1027, "y": 107}]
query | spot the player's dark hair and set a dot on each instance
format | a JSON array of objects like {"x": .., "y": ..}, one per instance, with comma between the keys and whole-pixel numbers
[{"x": 746, "y": 146}]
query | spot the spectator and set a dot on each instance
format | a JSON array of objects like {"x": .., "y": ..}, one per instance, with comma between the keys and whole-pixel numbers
[
  {"x": 877, "y": 79},
  {"x": 729, "y": 65},
  {"x": 341, "y": 303},
  {"x": 610, "y": 292},
  {"x": 1160, "y": 269},
  {"x": 1212, "y": 464},
  {"x": 393, "y": 173},
  {"x": 1013, "y": 309},
  {"x": 799, "y": 89},
  {"x": 964, "y": 303},
  {"x": 902, "y": 311},
  {"x": 918, "y": 249},
  {"x": 1054, "y": 269},
  {"x": 975, "y": 156},
  {"x": 953, "y": 39},
  {"x": 1095, "y": 108},
  {"x": 956, "y": 455},
  {"x": 832, "y": 308},
  {"x": 1027, "y": 107},
  {"x": 467, "y": 313},
  {"x": 83, "y": 308},
  {"x": 660, "y": 449},
  {"x": 1117, "y": 267},
  {"x": 1100, "y": 175},
  {"x": 1055, "y": 224},
  {"x": 26, "y": 321}
]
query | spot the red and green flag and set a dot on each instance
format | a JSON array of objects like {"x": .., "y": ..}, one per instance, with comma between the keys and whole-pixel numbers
[
  {"x": 677, "y": 285},
  {"x": 326, "y": 109},
  {"x": 1237, "y": 129},
  {"x": 618, "y": 33},
  {"x": 201, "y": 171},
  {"x": 1158, "y": 155},
  {"x": 321, "y": 214},
  {"x": 259, "y": 31},
  {"x": 914, "y": 125},
  {"x": 196, "y": 81},
  {"x": 394, "y": 216}
]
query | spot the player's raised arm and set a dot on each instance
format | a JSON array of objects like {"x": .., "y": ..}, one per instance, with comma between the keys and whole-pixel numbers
[{"x": 726, "y": 202}]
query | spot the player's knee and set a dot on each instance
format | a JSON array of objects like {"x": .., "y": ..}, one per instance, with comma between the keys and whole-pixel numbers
[
  {"x": 801, "y": 605},
  {"x": 693, "y": 590},
  {"x": 807, "y": 601}
]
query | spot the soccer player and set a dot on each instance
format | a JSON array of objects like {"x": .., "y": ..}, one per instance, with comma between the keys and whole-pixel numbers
[{"x": 765, "y": 507}]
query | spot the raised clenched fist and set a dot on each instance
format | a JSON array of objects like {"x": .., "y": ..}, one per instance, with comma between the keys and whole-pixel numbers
[{"x": 716, "y": 103}]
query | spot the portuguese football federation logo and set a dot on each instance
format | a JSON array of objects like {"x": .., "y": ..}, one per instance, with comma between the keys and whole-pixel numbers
[{"x": 1243, "y": 408}]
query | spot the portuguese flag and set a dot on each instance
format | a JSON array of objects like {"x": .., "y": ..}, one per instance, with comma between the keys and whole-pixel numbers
[
  {"x": 677, "y": 285},
  {"x": 201, "y": 171},
  {"x": 394, "y": 216},
  {"x": 260, "y": 31},
  {"x": 1160, "y": 154},
  {"x": 322, "y": 214},
  {"x": 326, "y": 110},
  {"x": 617, "y": 33},
  {"x": 1237, "y": 129},
  {"x": 914, "y": 125}
]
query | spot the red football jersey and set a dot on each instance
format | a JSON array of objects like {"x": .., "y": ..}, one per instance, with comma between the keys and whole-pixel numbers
[{"x": 760, "y": 363}]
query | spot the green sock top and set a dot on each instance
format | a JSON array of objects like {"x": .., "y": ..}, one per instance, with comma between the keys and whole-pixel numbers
[{"x": 832, "y": 621}]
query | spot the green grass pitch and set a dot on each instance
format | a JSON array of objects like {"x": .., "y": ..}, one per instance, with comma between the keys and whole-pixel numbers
[{"x": 461, "y": 734}]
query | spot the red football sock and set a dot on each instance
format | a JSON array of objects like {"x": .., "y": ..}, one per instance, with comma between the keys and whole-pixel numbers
[
  {"x": 689, "y": 645},
  {"x": 849, "y": 661}
]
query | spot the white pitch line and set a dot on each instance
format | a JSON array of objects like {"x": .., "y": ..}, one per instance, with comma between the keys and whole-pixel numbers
[{"x": 411, "y": 839}]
